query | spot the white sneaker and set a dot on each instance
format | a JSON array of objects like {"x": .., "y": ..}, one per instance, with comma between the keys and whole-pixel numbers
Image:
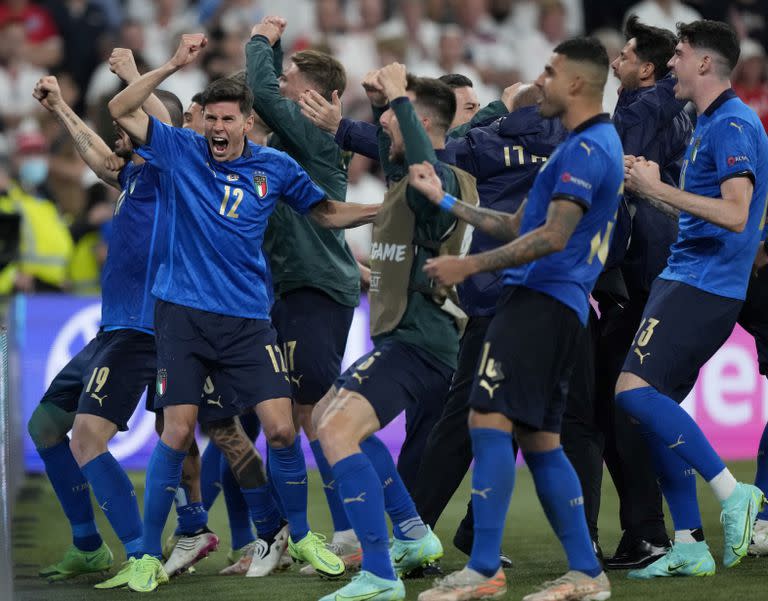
[
  {"x": 286, "y": 561},
  {"x": 189, "y": 550},
  {"x": 241, "y": 565},
  {"x": 759, "y": 544},
  {"x": 349, "y": 552},
  {"x": 266, "y": 558}
]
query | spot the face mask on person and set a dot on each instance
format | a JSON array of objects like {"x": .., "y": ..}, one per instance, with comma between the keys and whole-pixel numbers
[{"x": 33, "y": 172}]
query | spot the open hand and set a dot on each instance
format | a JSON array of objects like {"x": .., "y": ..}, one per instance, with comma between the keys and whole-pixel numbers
[{"x": 325, "y": 115}]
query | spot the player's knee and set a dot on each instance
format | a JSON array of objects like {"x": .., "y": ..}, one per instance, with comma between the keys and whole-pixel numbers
[
  {"x": 178, "y": 434},
  {"x": 86, "y": 447},
  {"x": 48, "y": 425},
  {"x": 280, "y": 436}
]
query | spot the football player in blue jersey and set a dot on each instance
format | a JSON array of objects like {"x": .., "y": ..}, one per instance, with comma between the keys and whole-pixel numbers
[
  {"x": 558, "y": 244},
  {"x": 696, "y": 300},
  {"x": 95, "y": 394},
  {"x": 212, "y": 312}
]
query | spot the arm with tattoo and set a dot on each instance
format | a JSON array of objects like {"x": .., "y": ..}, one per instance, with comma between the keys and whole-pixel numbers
[
  {"x": 500, "y": 225},
  {"x": 562, "y": 218}
]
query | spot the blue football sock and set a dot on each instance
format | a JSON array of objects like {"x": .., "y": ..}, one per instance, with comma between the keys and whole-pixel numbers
[
  {"x": 559, "y": 491},
  {"x": 761, "y": 475},
  {"x": 493, "y": 480},
  {"x": 670, "y": 422},
  {"x": 406, "y": 522},
  {"x": 163, "y": 477},
  {"x": 288, "y": 474},
  {"x": 115, "y": 495},
  {"x": 192, "y": 516},
  {"x": 263, "y": 510},
  {"x": 71, "y": 488},
  {"x": 237, "y": 508},
  {"x": 338, "y": 515},
  {"x": 360, "y": 490},
  {"x": 677, "y": 480},
  {"x": 210, "y": 475}
]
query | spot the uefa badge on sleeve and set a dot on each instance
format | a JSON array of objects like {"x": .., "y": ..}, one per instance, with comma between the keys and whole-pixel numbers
[
  {"x": 162, "y": 382},
  {"x": 260, "y": 182}
]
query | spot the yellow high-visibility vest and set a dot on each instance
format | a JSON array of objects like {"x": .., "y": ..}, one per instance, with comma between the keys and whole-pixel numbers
[
  {"x": 84, "y": 268},
  {"x": 46, "y": 244}
]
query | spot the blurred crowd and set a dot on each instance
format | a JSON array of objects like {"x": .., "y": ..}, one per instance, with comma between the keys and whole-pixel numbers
[{"x": 63, "y": 210}]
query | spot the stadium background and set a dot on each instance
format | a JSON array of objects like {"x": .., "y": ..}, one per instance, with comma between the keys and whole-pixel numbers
[{"x": 52, "y": 313}]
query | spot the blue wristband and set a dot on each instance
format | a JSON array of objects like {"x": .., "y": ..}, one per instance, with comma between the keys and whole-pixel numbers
[{"x": 447, "y": 202}]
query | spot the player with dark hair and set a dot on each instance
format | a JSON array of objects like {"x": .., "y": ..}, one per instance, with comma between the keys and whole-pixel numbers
[
  {"x": 695, "y": 301},
  {"x": 653, "y": 124},
  {"x": 212, "y": 312},
  {"x": 558, "y": 245},
  {"x": 96, "y": 393},
  {"x": 415, "y": 332},
  {"x": 467, "y": 103}
]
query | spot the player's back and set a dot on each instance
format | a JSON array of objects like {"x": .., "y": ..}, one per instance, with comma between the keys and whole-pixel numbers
[
  {"x": 588, "y": 169},
  {"x": 729, "y": 141},
  {"x": 136, "y": 244}
]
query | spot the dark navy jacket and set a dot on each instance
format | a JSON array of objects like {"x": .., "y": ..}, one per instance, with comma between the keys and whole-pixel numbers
[
  {"x": 504, "y": 156},
  {"x": 653, "y": 124}
]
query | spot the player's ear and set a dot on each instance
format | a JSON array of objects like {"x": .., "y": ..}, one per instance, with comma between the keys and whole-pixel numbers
[{"x": 248, "y": 125}]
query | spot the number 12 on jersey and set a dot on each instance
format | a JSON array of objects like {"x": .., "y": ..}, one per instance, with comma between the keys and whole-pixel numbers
[{"x": 237, "y": 194}]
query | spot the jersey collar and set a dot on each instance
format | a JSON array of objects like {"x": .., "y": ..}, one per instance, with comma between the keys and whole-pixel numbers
[
  {"x": 719, "y": 101},
  {"x": 601, "y": 118}
]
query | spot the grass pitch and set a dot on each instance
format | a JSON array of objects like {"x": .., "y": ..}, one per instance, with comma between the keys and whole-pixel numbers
[{"x": 41, "y": 534}]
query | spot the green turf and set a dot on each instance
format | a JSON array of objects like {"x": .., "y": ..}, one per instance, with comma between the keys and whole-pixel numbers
[{"x": 41, "y": 534}]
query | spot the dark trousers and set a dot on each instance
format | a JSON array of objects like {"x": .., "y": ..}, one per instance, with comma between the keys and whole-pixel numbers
[
  {"x": 420, "y": 420},
  {"x": 448, "y": 452},
  {"x": 625, "y": 454},
  {"x": 754, "y": 316}
]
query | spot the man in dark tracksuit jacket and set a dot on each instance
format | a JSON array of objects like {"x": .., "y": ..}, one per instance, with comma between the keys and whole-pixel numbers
[{"x": 653, "y": 124}]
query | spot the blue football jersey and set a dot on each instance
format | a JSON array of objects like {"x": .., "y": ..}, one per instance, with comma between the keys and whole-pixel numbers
[
  {"x": 216, "y": 216},
  {"x": 729, "y": 141},
  {"x": 588, "y": 169},
  {"x": 136, "y": 241}
]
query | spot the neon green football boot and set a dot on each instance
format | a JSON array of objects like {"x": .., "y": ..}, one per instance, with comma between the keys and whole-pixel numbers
[
  {"x": 407, "y": 555},
  {"x": 313, "y": 550},
  {"x": 369, "y": 587},
  {"x": 683, "y": 559},
  {"x": 77, "y": 562}
]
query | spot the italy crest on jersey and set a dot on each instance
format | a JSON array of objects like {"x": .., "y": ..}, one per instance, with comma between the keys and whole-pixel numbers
[
  {"x": 260, "y": 182},
  {"x": 162, "y": 382}
]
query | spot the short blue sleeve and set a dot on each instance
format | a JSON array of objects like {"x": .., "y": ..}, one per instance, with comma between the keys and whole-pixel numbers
[
  {"x": 165, "y": 144},
  {"x": 734, "y": 152},
  {"x": 300, "y": 192},
  {"x": 580, "y": 169}
]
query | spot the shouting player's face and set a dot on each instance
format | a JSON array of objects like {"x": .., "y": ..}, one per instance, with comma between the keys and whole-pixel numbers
[
  {"x": 123, "y": 145},
  {"x": 553, "y": 83},
  {"x": 225, "y": 129},
  {"x": 684, "y": 66},
  {"x": 626, "y": 67}
]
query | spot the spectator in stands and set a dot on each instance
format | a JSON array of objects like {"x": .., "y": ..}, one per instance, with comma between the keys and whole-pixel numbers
[
  {"x": 750, "y": 78},
  {"x": 42, "y": 45},
  {"x": 83, "y": 24},
  {"x": 46, "y": 245},
  {"x": 17, "y": 76},
  {"x": 663, "y": 13},
  {"x": 533, "y": 46}
]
